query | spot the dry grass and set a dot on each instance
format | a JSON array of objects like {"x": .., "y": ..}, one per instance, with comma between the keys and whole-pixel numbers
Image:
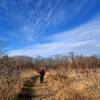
[
  {"x": 10, "y": 78},
  {"x": 71, "y": 78},
  {"x": 73, "y": 85}
]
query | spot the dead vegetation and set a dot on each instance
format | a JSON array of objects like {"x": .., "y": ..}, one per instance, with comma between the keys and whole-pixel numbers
[
  {"x": 10, "y": 75},
  {"x": 71, "y": 77},
  {"x": 78, "y": 79}
]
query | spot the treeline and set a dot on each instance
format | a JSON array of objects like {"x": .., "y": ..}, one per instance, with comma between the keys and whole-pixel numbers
[{"x": 69, "y": 61}]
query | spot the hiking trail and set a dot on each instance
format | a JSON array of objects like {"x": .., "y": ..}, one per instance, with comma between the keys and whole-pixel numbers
[{"x": 33, "y": 90}]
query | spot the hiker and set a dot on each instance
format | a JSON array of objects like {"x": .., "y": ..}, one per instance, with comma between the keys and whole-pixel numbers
[{"x": 42, "y": 73}]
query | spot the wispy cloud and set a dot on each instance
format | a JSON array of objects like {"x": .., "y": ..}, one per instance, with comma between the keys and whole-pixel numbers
[
  {"x": 34, "y": 18},
  {"x": 54, "y": 48},
  {"x": 83, "y": 39},
  {"x": 50, "y": 26}
]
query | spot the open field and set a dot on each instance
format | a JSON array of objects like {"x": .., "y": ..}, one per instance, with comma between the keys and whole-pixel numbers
[
  {"x": 77, "y": 79},
  {"x": 58, "y": 85},
  {"x": 73, "y": 85}
]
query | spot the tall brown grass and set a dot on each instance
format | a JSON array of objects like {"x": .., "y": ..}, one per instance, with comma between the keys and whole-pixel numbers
[
  {"x": 10, "y": 76},
  {"x": 77, "y": 78},
  {"x": 72, "y": 77}
]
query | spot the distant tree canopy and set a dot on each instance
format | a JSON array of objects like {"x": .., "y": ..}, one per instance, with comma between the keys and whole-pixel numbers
[
  {"x": 69, "y": 61},
  {"x": 24, "y": 62}
]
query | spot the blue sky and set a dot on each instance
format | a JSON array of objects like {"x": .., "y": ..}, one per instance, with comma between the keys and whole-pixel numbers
[{"x": 50, "y": 27}]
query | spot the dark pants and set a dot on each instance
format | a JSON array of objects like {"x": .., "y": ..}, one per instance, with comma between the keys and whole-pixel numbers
[{"x": 41, "y": 78}]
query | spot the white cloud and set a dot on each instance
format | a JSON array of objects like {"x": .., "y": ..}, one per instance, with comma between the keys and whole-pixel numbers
[
  {"x": 84, "y": 39},
  {"x": 90, "y": 30},
  {"x": 34, "y": 17},
  {"x": 50, "y": 48}
]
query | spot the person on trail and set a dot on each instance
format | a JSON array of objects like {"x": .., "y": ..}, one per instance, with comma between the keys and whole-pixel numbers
[{"x": 42, "y": 73}]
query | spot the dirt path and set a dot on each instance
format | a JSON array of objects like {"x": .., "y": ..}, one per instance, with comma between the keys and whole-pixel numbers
[{"x": 33, "y": 90}]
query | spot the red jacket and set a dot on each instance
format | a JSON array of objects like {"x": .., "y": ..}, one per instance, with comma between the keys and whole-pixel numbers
[{"x": 42, "y": 72}]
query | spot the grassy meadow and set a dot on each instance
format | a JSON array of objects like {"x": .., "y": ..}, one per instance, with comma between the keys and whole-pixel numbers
[{"x": 72, "y": 77}]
